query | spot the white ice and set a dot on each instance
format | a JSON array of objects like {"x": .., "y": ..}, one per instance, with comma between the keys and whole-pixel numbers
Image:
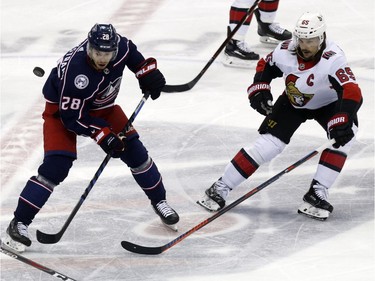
[{"x": 191, "y": 136}]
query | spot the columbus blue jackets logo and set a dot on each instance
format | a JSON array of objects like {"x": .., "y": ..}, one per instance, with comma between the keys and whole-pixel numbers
[
  {"x": 295, "y": 97},
  {"x": 109, "y": 94},
  {"x": 81, "y": 81}
]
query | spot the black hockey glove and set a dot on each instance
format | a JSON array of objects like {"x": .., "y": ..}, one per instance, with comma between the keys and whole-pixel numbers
[
  {"x": 109, "y": 142},
  {"x": 150, "y": 79},
  {"x": 339, "y": 127},
  {"x": 261, "y": 98}
]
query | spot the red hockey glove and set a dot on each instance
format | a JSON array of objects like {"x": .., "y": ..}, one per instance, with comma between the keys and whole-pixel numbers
[
  {"x": 260, "y": 97},
  {"x": 150, "y": 79},
  {"x": 339, "y": 128},
  {"x": 109, "y": 142}
]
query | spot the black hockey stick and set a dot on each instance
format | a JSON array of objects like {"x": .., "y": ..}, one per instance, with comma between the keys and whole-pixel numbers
[
  {"x": 158, "y": 250},
  {"x": 191, "y": 84},
  {"x": 54, "y": 238},
  {"x": 32, "y": 263}
]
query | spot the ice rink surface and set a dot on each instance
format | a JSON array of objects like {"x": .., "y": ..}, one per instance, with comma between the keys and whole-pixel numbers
[{"x": 191, "y": 136}]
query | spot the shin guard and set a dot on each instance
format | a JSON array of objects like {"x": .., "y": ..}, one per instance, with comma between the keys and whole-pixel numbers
[
  {"x": 149, "y": 179},
  {"x": 32, "y": 198}
]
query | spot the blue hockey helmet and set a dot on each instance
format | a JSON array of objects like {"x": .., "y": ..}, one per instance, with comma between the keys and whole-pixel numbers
[{"x": 103, "y": 37}]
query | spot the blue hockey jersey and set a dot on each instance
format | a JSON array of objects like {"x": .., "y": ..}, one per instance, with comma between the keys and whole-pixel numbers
[{"x": 79, "y": 88}]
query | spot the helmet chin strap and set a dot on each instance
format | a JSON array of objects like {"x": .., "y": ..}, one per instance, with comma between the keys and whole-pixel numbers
[
  {"x": 89, "y": 49},
  {"x": 318, "y": 52},
  {"x": 92, "y": 63},
  {"x": 316, "y": 56},
  {"x": 299, "y": 53}
]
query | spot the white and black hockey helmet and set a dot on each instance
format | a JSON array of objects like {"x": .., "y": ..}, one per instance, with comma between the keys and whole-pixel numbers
[{"x": 310, "y": 25}]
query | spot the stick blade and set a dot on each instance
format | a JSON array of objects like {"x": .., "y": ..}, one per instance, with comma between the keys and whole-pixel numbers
[
  {"x": 176, "y": 88},
  {"x": 182, "y": 87},
  {"x": 141, "y": 249},
  {"x": 46, "y": 238}
]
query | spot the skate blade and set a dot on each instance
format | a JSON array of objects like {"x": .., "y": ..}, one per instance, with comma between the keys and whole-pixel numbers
[
  {"x": 269, "y": 40},
  {"x": 238, "y": 63},
  {"x": 171, "y": 226},
  {"x": 208, "y": 204},
  {"x": 13, "y": 245},
  {"x": 312, "y": 212}
]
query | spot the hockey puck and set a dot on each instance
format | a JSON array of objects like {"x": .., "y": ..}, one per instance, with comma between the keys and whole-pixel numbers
[{"x": 38, "y": 71}]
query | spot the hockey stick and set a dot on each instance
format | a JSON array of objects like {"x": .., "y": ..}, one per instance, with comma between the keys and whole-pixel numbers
[
  {"x": 21, "y": 258},
  {"x": 158, "y": 250},
  {"x": 54, "y": 238},
  {"x": 191, "y": 84}
]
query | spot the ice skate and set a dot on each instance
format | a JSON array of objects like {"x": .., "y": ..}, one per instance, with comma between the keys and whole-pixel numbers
[
  {"x": 237, "y": 53},
  {"x": 17, "y": 236},
  {"x": 271, "y": 33},
  {"x": 315, "y": 204},
  {"x": 214, "y": 198},
  {"x": 168, "y": 216},
  {"x": 237, "y": 62}
]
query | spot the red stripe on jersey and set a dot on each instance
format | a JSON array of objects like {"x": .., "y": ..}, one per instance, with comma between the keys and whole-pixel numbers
[
  {"x": 268, "y": 6},
  {"x": 236, "y": 15},
  {"x": 260, "y": 65},
  {"x": 333, "y": 159},
  {"x": 351, "y": 91},
  {"x": 244, "y": 164}
]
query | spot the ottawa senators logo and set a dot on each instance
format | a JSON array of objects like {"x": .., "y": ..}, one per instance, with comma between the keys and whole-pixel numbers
[{"x": 295, "y": 97}]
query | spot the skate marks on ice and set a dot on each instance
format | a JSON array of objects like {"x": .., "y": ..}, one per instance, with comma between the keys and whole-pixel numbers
[
  {"x": 274, "y": 227},
  {"x": 150, "y": 229},
  {"x": 261, "y": 230}
]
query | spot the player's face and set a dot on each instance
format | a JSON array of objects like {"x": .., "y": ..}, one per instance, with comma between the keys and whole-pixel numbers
[
  {"x": 309, "y": 47},
  {"x": 100, "y": 59}
]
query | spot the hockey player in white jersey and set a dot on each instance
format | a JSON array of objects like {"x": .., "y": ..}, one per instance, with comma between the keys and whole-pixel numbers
[{"x": 319, "y": 85}]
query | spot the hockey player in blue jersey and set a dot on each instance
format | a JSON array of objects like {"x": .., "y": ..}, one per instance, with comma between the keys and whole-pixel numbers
[{"x": 80, "y": 98}]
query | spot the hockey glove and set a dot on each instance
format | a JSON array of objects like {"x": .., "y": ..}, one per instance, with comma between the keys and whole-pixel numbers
[
  {"x": 150, "y": 79},
  {"x": 261, "y": 98},
  {"x": 339, "y": 128},
  {"x": 109, "y": 142}
]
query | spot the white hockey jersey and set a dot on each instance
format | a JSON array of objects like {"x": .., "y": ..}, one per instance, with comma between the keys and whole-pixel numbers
[{"x": 307, "y": 85}]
